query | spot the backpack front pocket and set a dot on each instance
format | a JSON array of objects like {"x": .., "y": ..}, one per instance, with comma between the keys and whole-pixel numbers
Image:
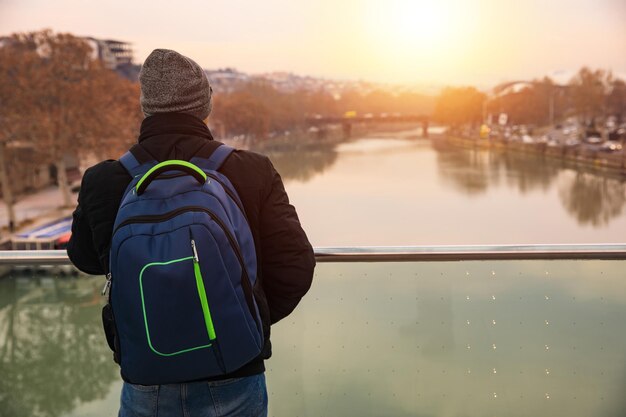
[{"x": 174, "y": 303}]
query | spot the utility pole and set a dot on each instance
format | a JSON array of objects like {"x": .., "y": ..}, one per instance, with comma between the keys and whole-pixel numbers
[{"x": 552, "y": 107}]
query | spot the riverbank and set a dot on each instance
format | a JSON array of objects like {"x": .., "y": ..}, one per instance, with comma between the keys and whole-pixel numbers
[
  {"x": 582, "y": 156},
  {"x": 34, "y": 209}
]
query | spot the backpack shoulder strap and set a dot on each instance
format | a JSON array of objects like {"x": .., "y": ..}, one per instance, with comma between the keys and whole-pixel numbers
[
  {"x": 216, "y": 158},
  {"x": 130, "y": 162}
]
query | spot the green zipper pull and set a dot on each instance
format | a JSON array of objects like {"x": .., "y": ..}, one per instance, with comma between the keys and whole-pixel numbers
[{"x": 208, "y": 321}]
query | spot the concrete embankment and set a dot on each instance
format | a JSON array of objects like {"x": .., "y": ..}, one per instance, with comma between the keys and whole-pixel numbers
[{"x": 583, "y": 155}]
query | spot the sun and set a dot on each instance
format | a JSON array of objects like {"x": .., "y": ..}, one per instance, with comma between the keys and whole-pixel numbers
[
  {"x": 413, "y": 24},
  {"x": 418, "y": 39},
  {"x": 417, "y": 21}
]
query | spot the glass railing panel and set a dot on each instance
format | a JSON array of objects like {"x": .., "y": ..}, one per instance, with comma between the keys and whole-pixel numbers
[
  {"x": 474, "y": 338},
  {"x": 506, "y": 338},
  {"x": 53, "y": 358}
]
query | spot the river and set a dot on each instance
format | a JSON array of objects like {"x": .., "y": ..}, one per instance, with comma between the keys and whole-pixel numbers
[{"x": 400, "y": 189}]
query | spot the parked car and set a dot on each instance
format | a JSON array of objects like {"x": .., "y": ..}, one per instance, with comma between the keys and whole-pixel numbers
[{"x": 610, "y": 146}]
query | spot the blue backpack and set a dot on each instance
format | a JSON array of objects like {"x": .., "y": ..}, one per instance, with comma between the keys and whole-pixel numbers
[{"x": 182, "y": 269}]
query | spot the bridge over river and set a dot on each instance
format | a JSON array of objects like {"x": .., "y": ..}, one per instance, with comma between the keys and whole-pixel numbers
[{"x": 348, "y": 121}]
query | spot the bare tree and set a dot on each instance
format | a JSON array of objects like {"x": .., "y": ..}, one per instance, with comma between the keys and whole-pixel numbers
[
  {"x": 65, "y": 100},
  {"x": 589, "y": 89},
  {"x": 12, "y": 102}
]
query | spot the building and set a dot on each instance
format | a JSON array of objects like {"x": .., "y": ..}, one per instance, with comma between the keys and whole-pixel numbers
[{"x": 115, "y": 55}]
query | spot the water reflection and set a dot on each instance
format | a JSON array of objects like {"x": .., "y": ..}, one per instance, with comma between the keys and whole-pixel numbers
[
  {"x": 473, "y": 171},
  {"x": 592, "y": 199},
  {"x": 53, "y": 355},
  {"x": 299, "y": 161},
  {"x": 466, "y": 171}
]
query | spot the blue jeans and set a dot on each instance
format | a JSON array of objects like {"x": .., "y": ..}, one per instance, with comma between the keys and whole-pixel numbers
[{"x": 241, "y": 397}]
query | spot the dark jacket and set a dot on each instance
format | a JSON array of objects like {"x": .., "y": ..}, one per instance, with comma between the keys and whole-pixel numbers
[{"x": 284, "y": 255}]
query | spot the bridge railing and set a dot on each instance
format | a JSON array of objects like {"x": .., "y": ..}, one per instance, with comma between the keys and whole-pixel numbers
[
  {"x": 395, "y": 253},
  {"x": 514, "y": 330}
]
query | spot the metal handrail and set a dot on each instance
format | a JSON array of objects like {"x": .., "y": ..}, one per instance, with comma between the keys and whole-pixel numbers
[
  {"x": 394, "y": 253},
  {"x": 472, "y": 253}
]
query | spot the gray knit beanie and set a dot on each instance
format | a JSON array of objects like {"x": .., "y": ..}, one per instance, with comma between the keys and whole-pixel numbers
[{"x": 173, "y": 83}]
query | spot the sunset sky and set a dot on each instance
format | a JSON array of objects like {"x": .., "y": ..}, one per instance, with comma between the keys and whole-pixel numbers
[{"x": 478, "y": 42}]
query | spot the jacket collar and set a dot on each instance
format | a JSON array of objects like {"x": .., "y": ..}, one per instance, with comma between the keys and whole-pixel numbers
[{"x": 173, "y": 123}]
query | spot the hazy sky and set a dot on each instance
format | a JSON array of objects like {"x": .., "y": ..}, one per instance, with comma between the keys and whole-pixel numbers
[{"x": 414, "y": 41}]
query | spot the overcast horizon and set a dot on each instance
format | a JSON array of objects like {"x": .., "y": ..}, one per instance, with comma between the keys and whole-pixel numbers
[{"x": 415, "y": 42}]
